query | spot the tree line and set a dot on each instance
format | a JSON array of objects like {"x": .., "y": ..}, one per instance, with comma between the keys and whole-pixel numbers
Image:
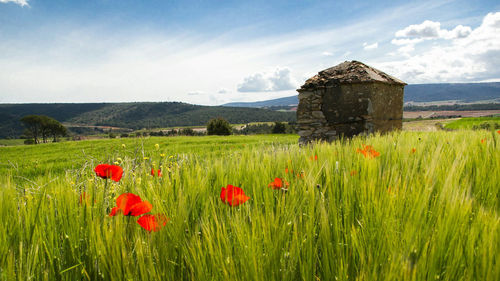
[{"x": 41, "y": 128}]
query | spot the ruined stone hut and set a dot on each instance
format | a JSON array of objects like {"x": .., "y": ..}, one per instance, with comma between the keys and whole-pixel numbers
[{"x": 349, "y": 99}]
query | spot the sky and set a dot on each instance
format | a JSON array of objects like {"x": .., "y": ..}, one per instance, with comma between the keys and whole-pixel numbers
[{"x": 215, "y": 52}]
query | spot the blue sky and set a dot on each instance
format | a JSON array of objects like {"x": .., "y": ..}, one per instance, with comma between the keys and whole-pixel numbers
[{"x": 213, "y": 52}]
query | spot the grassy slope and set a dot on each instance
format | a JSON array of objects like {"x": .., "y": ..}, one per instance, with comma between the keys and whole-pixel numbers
[
  {"x": 468, "y": 123},
  {"x": 159, "y": 115},
  {"x": 432, "y": 214}
]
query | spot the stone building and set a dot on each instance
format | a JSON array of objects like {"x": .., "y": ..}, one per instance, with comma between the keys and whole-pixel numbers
[{"x": 349, "y": 99}]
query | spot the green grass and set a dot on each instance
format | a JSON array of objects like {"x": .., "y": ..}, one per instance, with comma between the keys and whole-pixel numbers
[
  {"x": 431, "y": 214},
  {"x": 470, "y": 122},
  {"x": 11, "y": 142}
]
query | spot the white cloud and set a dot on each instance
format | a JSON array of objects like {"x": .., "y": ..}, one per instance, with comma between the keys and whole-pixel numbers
[
  {"x": 222, "y": 91},
  {"x": 371, "y": 46},
  {"x": 432, "y": 30},
  {"x": 280, "y": 80},
  {"x": 404, "y": 42},
  {"x": 406, "y": 49},
  {"x": 472, "y": 58},
  {"x": 407, "y": 45},
  {"x": 254, "y": 83},
  {"x": 327, "y": 54},
  {"x": 458, "y": 32},
  {"x": 427, "y": 29},
  {"x": 18, "y": 2}
]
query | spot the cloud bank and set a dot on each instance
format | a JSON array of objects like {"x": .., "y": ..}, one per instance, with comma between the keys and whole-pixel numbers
[
  {"x": 430, "y": 29},
  {"x": 466, "y": 55}
]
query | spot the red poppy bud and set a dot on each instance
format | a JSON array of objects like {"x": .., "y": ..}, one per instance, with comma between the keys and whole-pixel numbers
[
  {"x": 154, "y": 173},
  {"x": 277, "y": 184}
]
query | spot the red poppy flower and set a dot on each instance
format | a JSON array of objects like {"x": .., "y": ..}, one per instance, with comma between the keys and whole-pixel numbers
[
  {"x": 277, "y": 184},
  {"x": 498, "y": 131},
  {"x": 130, "y": 205},
  {"x": 413, "y": 150},
  {"x": 368, "y": 151},
  {"x": 233, "y": 195},
  {"x": 483, "y": 140},
  {"x": 154, "y": 173},
  {"x": 314, "y": 158},
  {"x": 106, "y": 171},
  {"x": 353, "y": 173},
  {"x": 153, "y": 222}
]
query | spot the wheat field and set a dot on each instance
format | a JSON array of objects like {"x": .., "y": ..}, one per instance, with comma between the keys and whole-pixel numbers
[{"x": 402, "y": 206}]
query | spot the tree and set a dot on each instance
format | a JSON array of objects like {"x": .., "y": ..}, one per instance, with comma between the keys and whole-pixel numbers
[
  {"x": 41, "y": 126},
  {"x": 279, "y": 128},
  {"x": 33, "y": 125},
  {"x": 55, "y": 129},
  {"x": 218, "y": 126}
]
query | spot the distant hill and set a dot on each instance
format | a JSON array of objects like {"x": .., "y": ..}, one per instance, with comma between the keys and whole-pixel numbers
[
  {"x": 465, "y": 92},
  {"x": 133, "y": 115},
  {"x": 286, "y": 101}
]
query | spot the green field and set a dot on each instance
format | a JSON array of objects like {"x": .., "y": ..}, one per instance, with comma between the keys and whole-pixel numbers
[
  {"x": 470, "y": 122},
  {"x": 11, "y": 142},
  {"x": 427, "y": 208}
]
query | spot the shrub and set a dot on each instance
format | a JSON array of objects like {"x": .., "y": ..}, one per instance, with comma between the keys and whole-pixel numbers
[
  {"x": 218, "y": 126},
  {"x": 279, "y": 128},
  {"x": 187, "y": 132},
  {"x": 487, "y": 126}
]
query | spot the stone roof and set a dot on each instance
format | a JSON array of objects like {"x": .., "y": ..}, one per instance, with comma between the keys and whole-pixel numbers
[{"x": 350, "y": 72}]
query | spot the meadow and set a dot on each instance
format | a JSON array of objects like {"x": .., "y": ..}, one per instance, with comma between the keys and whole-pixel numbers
[
  {"x": 473, "y": 122},
  {"x": 402, "y": 206}
]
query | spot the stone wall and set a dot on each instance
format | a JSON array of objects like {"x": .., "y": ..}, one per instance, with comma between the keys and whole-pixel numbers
[
  {"x": 312, "y": 123},
  {"x": 348, "y": 109}
]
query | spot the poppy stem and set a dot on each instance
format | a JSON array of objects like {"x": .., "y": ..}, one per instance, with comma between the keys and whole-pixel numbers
[
  {"x": 93, "y": 196},
  {"x": 128, "y": 229},
  {"x": 104, "y": 196}
]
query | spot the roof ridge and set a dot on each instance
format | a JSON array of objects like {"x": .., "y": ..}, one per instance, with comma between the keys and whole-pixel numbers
[{"x": 350, "y": 72}]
